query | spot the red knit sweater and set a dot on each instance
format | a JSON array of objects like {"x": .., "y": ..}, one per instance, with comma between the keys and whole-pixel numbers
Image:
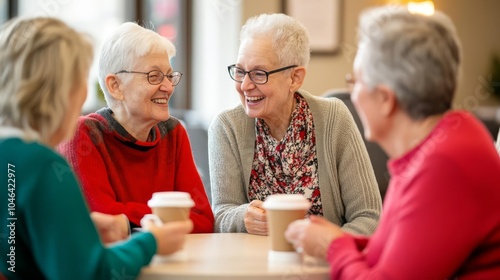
[
  {"x": 119, "y": 174},
  {"x": 441, "y": 216}
]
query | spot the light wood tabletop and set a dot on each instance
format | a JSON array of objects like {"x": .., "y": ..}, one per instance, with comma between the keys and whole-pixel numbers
[{"x": 231, "y": 256}]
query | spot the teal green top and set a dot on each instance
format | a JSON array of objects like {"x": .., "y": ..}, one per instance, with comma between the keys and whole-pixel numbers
[{"x": 45, "y": 226}]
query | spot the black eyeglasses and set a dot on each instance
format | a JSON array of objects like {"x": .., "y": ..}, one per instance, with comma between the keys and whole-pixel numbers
[
  {"x": 155, "y": 77},
  {"x": 259, "y": 77}
]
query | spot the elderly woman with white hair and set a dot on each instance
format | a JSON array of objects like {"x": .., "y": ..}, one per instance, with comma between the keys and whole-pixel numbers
[
  {"x": 282, "y": 139},
  {"x": 127, "y": 151},
  {"x": 441, "y": 217},
  {"x": 47, "y": 232}
]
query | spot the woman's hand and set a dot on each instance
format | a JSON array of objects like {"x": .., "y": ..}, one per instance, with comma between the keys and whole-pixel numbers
[
  {"x": 111, "y": 228},
  {"x": 170, "y": 237},
  {"x": 313, "y": 235},
  {"x": 255, "y": 218}
]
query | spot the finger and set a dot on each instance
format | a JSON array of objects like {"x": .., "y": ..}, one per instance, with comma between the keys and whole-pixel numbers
[
  {"x": 149, "y": 224},
  {"x": 257, "y": 231},
  {"x": 255, "y": 223},
  {"x": 96, "y": 216},
  {"x": 180, "y": 227},
  {"x": 257, "y": 214},
  {"x": 258, "y": 204},
  {"x": 318, "y": 220},
  {"x": 256, "y": 227}
]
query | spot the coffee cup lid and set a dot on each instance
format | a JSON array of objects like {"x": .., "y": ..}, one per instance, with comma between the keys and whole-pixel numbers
[
  {"x": 286, "y": 202},
  {"x": 171, "y": 199}
]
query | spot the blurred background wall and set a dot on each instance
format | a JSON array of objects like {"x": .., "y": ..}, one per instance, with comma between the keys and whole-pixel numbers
[
  {"x": 206, "y": 35},
  {"x": 477, "y": 24}
]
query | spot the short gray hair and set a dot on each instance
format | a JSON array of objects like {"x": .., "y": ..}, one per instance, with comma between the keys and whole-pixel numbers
[
  {"x": 290, "y": 39},
  {"x": 124, "y": 46},
  {"x": 42, "y": 60},
  {"x": 417, "y": 56}
]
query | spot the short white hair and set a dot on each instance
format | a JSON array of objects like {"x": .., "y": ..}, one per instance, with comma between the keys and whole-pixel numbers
[
  {"x": 290, "y": 39},
  {"x": 43, "y": 60},
  {"x": 417, "y": 56},
  {"x": 124, "y": 46}
]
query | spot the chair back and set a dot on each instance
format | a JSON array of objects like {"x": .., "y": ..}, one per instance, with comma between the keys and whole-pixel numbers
[{"x": 378, "y": 157}]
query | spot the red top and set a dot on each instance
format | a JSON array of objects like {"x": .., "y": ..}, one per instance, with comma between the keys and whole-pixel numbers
[
  {"x": 441, "y": 215},
  {"x": 119, "y": 174}
]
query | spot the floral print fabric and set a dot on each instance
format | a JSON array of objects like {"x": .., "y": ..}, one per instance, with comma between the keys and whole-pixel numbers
[{"x": 289, "y": 165}]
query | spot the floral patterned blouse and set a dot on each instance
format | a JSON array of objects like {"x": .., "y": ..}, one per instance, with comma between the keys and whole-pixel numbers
[{"x": 290, "y": 165}]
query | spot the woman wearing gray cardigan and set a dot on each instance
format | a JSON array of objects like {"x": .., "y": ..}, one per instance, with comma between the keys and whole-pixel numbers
[{"x": 285, "y": 140}]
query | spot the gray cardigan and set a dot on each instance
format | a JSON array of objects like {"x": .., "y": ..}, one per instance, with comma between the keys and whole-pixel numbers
[{"x": 348, "y": 187}]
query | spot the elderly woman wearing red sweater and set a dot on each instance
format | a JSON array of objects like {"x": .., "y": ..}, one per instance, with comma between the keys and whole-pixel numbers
[
  {"x": 441, "y": 215},
  {"x": 127, "y": 151}
]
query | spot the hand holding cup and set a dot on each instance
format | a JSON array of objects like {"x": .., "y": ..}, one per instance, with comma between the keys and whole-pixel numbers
[
  {"x": 170, "y": 221},
  {"x": 170, "y": 237},
  {"x": 256, "y": 219},
  {"x": 283, "y": 209},
  {"x": 313, "y": 235}
]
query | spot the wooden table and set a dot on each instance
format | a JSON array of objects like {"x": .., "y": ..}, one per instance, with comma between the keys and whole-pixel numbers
[{"x": 232, "y": 256}]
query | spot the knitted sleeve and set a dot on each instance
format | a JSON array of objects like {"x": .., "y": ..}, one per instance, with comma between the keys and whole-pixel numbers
[
  {"x": 62, "y": 237},
  {"x": 355, "y": 193},
  {"x": 229, "y": 200}
]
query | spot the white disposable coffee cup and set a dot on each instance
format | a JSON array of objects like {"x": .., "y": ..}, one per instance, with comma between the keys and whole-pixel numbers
[
  {"x": 169, "y": 207},
  {"x": 281, "y": 210}
]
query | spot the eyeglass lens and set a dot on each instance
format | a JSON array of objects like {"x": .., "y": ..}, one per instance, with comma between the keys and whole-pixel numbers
[
  {"x": 155, "y": 77},
  {"x": 257, "y": 76}
]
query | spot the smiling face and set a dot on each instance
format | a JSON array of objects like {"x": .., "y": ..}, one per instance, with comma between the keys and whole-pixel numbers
[
  {"x": 273, "y": 100},
  {"x": 143, "y": 102}
]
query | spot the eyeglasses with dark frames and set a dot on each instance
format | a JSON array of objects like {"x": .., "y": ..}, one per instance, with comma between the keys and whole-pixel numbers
[
  {"x": 257, "y": 76},
  {"x": 155, "y": 77}
]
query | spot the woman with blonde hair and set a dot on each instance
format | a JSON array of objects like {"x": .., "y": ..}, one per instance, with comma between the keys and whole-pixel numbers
[{"x": 49, "y": 232}]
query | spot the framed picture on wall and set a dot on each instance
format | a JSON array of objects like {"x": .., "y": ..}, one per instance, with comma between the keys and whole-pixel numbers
[{"x": 322, "y": 20}]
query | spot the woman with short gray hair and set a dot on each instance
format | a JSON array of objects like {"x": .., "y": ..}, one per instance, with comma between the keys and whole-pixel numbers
[
  {"x": 127, "y": 151},
  {"x": 441, "y": 218},
  {"x": 282, "y": 139}
]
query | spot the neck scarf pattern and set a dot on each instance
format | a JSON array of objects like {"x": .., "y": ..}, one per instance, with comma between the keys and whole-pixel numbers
[{"x": 289, "y": 165}]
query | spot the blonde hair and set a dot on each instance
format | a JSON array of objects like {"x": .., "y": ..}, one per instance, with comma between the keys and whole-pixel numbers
[{"x": 42, "y": 60}]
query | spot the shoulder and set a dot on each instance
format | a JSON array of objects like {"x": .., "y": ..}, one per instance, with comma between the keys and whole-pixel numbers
[
  {"x": 37, "y": 151},
  {"x": 38, "y": 158},
  {"x": 171, "y": 125},
  {"x": 233, "y": 115},
  {"x": 327, "y": 110},
  {"x": 89, "y": 127},
  {"x": 232, "y": 119},
  {"x": 450, "y": 131},
  {"x": 323, "y": 103},
  {"x": 234, "y": 124},
  {"x": 92, "y": 123}
]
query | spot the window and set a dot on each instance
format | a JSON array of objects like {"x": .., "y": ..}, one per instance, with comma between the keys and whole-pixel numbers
[
  {"x": 95, "y": 17},
  {"x": 170, "y": 19},
  {"x": 4, "y": 11}
]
